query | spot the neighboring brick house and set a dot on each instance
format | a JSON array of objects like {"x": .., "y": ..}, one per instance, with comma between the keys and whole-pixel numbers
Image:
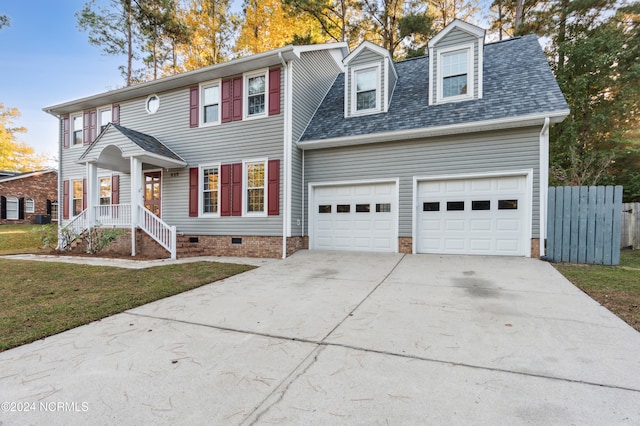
[{"x": 25, "y": 196}]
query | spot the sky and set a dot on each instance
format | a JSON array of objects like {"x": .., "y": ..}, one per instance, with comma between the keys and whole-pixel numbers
[{"x": 46, "y": 60}]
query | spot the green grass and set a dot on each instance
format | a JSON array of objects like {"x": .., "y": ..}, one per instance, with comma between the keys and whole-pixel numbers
[
  {"x": 15, "y": 239},
  {"x": 615, "y": 287},
  {"x": 39, "y": 299}
]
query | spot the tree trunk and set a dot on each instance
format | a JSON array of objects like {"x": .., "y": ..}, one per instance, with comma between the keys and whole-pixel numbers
[{"x": 519, "y": 13}]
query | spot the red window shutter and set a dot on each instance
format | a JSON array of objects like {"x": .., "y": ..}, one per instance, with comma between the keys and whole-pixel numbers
[
  {"x": 93, "y": 125},
  {"x": 225, "y": 190},
  {"x": 84, "y": 194},
  {"x": 193, "y": 192},
  {"x": 86, "y": 120},
  {"x": 115, "y": 113},
  {"x": 65, "y": 131},
  {"x": 273, "y": 175},
  {"x": 274, "y": 91},
  {"x": 226, "y": 101},
  {"x": 65, "y": 199},
  {"x": 115, "y": 189},
  {"x": 236, "y": 93},
  {"x": 194, "y": 94},
  {"x": 236, "y": 189}
]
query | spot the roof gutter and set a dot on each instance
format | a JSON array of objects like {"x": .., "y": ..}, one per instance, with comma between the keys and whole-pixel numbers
[{"x": 429, "y": 132}]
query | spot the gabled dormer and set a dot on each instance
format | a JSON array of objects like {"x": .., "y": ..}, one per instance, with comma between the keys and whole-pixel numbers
[
  {"x": 455, "y": 63},
  {"x": 370, "y": 78}
]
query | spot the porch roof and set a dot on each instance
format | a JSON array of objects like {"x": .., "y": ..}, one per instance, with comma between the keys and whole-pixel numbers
[{"x": 140, "y": 145}]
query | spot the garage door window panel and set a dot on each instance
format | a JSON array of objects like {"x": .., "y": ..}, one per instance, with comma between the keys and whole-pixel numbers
[
  {"x": 383, "y": 208},
  {"x": 507, "y": 204},
  {"x": 326, "y": 208},
  {"x": 431, "y": 207},
  {"x": 343, "y": 208},
  {"x": 363, "y": 208},
  {"x": 453, "y": 206},
  {"x": 481, "y": 205}
]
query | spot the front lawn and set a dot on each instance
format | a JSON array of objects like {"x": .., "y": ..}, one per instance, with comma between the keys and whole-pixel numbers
[
  {"x": 615, "y": 287},
  {"x": 39, "y": 299},
  {"x": 15, "y": 239}
]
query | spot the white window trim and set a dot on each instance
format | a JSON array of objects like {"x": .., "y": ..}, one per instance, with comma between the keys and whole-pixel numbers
[
  {"x": 201, "y": 104},
  {"x": 17, "y": 210},
  {"x": 71, "y": 199},
  {"x": 72, "y": 144},
  {"x": 99, "y": 117},
  {"x": 146, "y": 104},
  {"x": 245, "y": 188},
  {"x": 201, "y": 168},
  {"x": 354, "y": 70},
  {"x": 26, "y": 205},
  {"x": 245, "y": 94},
  {"x": 469, "y": 47}
]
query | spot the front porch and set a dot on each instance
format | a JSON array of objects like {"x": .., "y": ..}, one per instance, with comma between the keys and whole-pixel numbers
[{"x": 118, "y": 149}]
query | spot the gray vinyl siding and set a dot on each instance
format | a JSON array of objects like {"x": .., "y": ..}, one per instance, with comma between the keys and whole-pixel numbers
[
  {"x": 366, "y": 57},
  {"x": 461, "y": 154},
  {"x": 253, "y": 139},
  {"x": 455, "y": 38},
  {"x": 312, "y": 77}
]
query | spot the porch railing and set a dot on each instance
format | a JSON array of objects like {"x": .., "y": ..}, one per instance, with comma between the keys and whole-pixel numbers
[
  {"x": 116, "y": 215},
  {"x": 119, "y": 215},
  {"x": 157, "y": 229},
  {"x": 73, "y": 229}
]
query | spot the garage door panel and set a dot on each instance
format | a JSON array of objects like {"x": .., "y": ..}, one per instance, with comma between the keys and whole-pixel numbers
[{"x": 472, "y": 216}]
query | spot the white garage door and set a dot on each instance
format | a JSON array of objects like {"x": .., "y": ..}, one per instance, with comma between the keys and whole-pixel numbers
[
  {"x": 355, "y": 217},
  {"x": 486, "y": 216}
]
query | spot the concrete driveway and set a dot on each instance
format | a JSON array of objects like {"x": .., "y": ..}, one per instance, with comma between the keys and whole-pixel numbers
[{"x": 342, "y": 338}]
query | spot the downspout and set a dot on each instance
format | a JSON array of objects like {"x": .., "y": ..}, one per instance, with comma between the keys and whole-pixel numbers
[
  {"x": 60, "y": 204},
  {"x": 544, "y": 182},
  {"x": 286, "y": 155}
]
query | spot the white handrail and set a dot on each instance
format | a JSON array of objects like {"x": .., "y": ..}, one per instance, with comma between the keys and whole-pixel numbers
[
  {"x": 73, "y": 229},
  {"x": 157, "y": 229}
]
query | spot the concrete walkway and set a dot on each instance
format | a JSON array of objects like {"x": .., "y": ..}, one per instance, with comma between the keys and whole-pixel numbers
[{"x": 342, "y": 338}]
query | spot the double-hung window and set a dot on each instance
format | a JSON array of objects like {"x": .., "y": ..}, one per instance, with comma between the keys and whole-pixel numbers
[
  {"x": 210, "y": 190},
  {"x": 366, "y": 89},
  {"x": 76, "y": 201},
  {"x": 105, "y": 117},
  {"x": 12, "y": 208},
  {"x": 455, "y": 74},
  {"x": 256, "y": 89},
  {"x": 29, "y": 205},
  {"x": 210, "y": 101},
  {"x": 76, "y": 129},
  {"x": 105, "y": 191},
  {"x": 255, "y": 179}
]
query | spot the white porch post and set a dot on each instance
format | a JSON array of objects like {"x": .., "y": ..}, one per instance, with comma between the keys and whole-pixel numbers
[
  {"x": 136, "y": 193},
  {"x": 93, "y": 189}
]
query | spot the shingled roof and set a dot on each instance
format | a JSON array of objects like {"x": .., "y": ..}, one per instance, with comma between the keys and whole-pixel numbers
[
  {"x": 147, "y": 142},
  {"x": 518, "y": 82}
]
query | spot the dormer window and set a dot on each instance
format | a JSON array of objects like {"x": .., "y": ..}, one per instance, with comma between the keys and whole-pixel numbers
[
  {"x": 366, "y": 87},
  {"x": 455, "y": 74}
]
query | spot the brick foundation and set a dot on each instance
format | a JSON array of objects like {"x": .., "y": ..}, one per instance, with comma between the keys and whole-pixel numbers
[
  {"x": 405, "y": 245},
  {"x": 535, "y": 248}
]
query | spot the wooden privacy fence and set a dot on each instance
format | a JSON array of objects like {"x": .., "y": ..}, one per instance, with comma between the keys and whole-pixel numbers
[
  {"x": 584, "y": 224},
  {"x": 630, "y": 225}
]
